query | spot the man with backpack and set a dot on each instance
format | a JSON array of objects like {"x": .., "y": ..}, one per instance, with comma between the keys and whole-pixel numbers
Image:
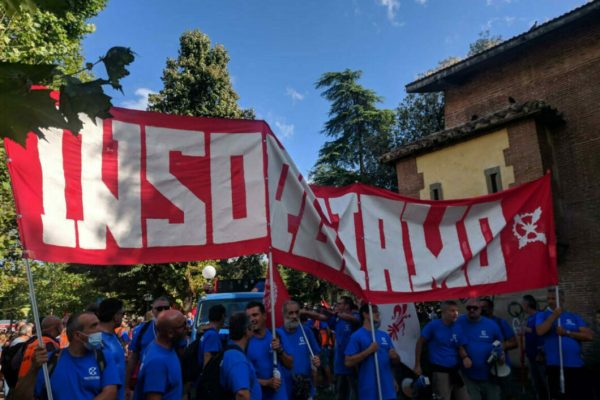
[
  {"x": 82, "y": 371},
  {"x": 160, "y": 373},
  {"x": 141, "y": 339},
  {"x": 110, "y": 313},
  {"x": 237, "y": 375},
  {"x": 51, "y": 329},
  {"x": 13, "y": 354}
]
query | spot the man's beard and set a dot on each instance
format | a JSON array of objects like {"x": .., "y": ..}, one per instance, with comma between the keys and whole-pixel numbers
[{"x": 291, "y": 324}]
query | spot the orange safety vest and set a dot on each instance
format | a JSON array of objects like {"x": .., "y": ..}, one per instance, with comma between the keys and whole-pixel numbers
[{"x": 51, "y": 345}]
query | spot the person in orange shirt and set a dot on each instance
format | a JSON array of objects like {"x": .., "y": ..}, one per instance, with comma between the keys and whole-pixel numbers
[{"x": 51, "y": 330}]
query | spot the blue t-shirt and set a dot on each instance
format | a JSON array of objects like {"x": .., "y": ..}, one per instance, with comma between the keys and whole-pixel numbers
[
  {"x": 443, "y": 341},
  {"x": 367, "y": 378},
  {"x": 260, "y": 353},
  {"x": 210, "y": 342},
  {"x": 78, "y": 377},
  {"x": 571, "y": 347},
  {"x": 295, "y": 344},
  {"x": 533, "y": 342},
  {"x": 343, "y": 330},
  {"x": 237, "y": 373},
  {"x": 479, "y": 335},
  {"x": 160, "y": 372},
  {"x": 112, "y": 345}
]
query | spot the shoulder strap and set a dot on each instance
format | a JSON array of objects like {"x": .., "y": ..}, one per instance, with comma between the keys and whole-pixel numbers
[
  {"x": 143, "y": 330},
  {"x": 99, "y": 355}
]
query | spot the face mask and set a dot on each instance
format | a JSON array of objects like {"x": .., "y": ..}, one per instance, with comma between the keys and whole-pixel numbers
[
  {"x": 377, "y": 324},
  {"x": 94, "y": 341}
]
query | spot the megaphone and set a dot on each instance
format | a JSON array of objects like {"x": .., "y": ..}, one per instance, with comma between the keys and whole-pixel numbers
[{"x": 500, "y": 370}]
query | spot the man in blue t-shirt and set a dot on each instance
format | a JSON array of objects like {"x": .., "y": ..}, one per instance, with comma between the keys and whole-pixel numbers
[
  {"x": 360, "y": 352},
  {"x": 445, "y": 342},
  {"x": 238, "y": 376},
  {"x": 506, "y": 383},
  {"x": 344, "y": 322},
  {"x": 143, "y": 335},
  {"x": 483, "y": 338},
  {"x": 260, "y": 352},
  {"x": 160, "y": 372},
  {"x": 210, "y": 342},
  {"x": 297, "y": 340},
  {"x": 572, "y": 331},
  {"x": 534, "y": 349},
  {"x": 83, "y": 370},
  {"x": 110, "y": 314}
]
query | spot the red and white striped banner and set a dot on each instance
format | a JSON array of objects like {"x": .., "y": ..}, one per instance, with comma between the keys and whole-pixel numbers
[{"x": 151, "y": 188}]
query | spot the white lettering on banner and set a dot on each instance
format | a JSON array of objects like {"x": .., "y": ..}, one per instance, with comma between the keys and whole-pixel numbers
[
  {"x": 495, "y": 270},
  {"x": 160, "y": 142},
  {"x": 101, "y": 209},
  {"x": 290, "y": 200},
  {"x": 346, "y": 207},
  {"x": 57, "y": 229},
  {"x": 429, "y": 268},
  {"x": 253, "y": 225},
  {"x": 316, "y": 240},
  {"x": 390, "y": 258}
]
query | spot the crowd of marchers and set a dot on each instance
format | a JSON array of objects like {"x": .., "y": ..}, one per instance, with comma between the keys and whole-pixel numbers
[{"x": 341, "y": 351}]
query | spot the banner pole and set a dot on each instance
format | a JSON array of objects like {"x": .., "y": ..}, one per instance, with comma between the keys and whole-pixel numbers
[
  {"x": 38, "y": 325},
  {"x": 377, "y": 373},
  {"x": 560, "y": 351},
  {"x": 272, "y": 301}
]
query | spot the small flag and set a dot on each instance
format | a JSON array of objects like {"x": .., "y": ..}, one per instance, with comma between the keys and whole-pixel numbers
[{"x": 280, "y": 295}]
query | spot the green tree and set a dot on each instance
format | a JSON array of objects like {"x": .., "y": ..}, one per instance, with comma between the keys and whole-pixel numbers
[
  {"x": 361, "y": 133},
  {"x": 40, "y": 45},
  {"x": 484, "y": 42},
  {"x": 306, "y": 288},
  {"x": 418, "y": 115},
  {"x": 57, "y": 290},
  {"x": 197, "y": 83}
]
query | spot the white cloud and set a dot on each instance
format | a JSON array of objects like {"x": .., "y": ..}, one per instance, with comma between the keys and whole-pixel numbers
[
  {"x": 294, "y": 94},
  {"x": 141, "y": 103},
  {"x": 284, "y": 130},
  {"x": 392, "y": 7},
  {"x": 421, "y": 2}
]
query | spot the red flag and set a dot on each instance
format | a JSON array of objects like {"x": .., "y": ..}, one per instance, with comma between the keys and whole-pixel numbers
[{"x": 280, "y": 295}]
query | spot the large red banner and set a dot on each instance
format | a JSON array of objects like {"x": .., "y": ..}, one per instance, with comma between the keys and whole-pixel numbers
[{"x": 150, "y": 188}]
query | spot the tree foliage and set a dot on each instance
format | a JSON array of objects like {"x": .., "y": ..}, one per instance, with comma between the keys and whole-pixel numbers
[
  {"x": 40, "y": 45},
  {"x": 360, "y": 133},
  {"x": 306, "y": 288},
  {"x": 484, "y": 42},
  {"x": 197, "y": 83},
  {"x": 419, "y": 115}
]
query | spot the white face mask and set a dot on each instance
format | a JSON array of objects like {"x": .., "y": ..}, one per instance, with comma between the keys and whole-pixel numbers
[{"x": 94, "y": 341}]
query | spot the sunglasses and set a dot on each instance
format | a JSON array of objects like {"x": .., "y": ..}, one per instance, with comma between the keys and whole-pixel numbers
[
  {"x": 162, "y": 308},
  {"x": 472, "y": 308}
]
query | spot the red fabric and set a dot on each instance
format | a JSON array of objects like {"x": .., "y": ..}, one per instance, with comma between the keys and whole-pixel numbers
[
  {"x": 145, "y": 187},
  {"x": 280, "y": 294}
]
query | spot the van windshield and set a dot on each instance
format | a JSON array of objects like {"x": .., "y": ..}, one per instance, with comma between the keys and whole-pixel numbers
[{"x": 231, "y": 306}]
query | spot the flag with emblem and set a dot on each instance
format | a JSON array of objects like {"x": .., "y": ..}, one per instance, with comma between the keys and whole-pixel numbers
[{"x": 400, "y": 321}]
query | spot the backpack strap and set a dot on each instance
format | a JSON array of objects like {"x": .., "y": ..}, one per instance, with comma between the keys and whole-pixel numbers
[
  {"x": 143, "y": 329},
  {"x": 99, "y": 355}
]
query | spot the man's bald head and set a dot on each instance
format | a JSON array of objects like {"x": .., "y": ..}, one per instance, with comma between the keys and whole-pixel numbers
[
  {"x": 52, "y": 326},
  {"x": 171, "y": 325}
]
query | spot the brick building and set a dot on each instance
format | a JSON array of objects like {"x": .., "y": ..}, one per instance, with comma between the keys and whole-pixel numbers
[{"x": 528, "y": 105}]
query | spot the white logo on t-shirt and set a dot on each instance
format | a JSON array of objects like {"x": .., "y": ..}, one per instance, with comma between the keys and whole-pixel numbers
[{"x": 92, "y": 371}]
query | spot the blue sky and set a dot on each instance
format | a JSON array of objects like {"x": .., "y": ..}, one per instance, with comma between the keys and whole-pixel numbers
[{"x": 280, "y": 48}]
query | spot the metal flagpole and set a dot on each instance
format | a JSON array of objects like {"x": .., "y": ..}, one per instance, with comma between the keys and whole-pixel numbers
[
  {"x": 272, "y": 301},
  {"x": 38, "y": 326},
  {"x": 310, "y": 350},
  {"x": 560, "y": 351},
  {"x": 377, "y": 373}
]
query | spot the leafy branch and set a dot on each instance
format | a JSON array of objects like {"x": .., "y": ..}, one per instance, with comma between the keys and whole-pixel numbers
[{"x": 26, "y": 102}]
